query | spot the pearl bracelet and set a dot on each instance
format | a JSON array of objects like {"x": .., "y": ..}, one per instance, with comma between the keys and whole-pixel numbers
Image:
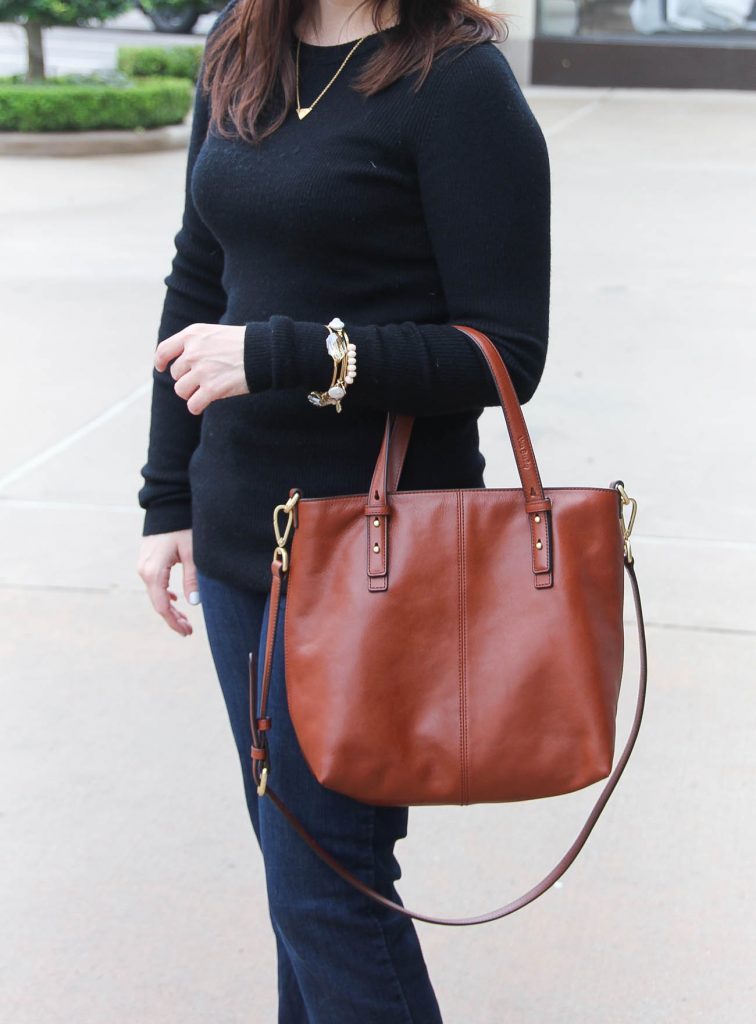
[{"x": 344, "y": 355}]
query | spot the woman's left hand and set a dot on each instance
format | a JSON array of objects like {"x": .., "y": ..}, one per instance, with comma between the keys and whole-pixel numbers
[{"x": 209, "y": 363}]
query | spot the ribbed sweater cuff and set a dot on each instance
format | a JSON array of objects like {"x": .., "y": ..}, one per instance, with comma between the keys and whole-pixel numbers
[
  {"x": 281, "y": 353},
  {"x": 167, "y": 517}
]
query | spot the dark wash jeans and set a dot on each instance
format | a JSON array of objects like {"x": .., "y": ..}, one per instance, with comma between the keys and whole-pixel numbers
[{"x": 342, "y": 958}]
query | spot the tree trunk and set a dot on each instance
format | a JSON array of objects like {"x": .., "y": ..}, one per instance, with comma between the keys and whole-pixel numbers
[{"x": 36, "y": 67}]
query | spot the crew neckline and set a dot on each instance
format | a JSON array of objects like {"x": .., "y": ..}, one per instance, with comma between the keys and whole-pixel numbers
[{"x": 337, "y": 51}]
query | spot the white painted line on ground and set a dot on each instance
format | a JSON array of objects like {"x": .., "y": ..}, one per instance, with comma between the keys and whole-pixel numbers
[
  {"x": 576, "y": 115},
  {"x": 704, "y": 542},
  {"x": 71, "y": 439},
  {"x": 65, "y": 506},
  {"x": 679, "y": 627}
]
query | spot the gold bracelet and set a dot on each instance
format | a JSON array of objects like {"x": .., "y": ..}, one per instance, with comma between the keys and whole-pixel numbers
[{"x": 344, "y": 355}]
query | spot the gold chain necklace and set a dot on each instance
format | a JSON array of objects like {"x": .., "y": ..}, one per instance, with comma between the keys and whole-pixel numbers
[{"x": 304, "y": 111}]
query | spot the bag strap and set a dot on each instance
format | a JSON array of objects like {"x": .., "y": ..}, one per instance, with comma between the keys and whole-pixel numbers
[{"x": 260, "y": 769}]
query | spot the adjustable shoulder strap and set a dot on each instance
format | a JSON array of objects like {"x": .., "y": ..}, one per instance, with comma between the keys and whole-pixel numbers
[{"x": 259, "y": 768}]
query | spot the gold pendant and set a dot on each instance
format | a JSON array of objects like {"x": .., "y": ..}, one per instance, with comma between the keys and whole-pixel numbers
[{"x": 303, "y": 112}]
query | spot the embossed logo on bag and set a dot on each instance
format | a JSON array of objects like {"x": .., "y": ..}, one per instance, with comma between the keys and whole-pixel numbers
[{"x": 522, "y": 444}]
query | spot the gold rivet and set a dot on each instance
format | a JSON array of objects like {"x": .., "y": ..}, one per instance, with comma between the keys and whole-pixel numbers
[
  {"x": 376, "y": 522},
  {"x": 539, "y": 545},
  {"x": 376, "y": 548},
  {"x": 538, "y": 519}
]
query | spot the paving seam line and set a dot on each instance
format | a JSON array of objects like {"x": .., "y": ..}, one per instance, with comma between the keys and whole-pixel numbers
[
  {"x": 76, "y": 435},
  {"x": 577, "y": 115}
]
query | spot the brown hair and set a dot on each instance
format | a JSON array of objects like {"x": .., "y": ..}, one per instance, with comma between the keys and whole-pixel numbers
[{"x": 248, "y": 59}]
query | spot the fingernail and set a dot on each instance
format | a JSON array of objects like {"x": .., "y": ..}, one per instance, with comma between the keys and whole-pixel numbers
[{"x": 194, "y": 597}]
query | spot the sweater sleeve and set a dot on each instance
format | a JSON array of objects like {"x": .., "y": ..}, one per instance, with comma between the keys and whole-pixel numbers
[
  {"x": 484, "y": 180},
  {"x": 194, "y": 294}
]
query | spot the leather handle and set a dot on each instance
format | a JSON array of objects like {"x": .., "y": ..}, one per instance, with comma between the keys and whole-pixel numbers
[
  {"x": 537, "y": 890},
  {"x": 519, "y": 437},
  {"x": 388, "y": 469},
  {"x": 390, "y": 463},
  {"x": 398, "y": 445}
]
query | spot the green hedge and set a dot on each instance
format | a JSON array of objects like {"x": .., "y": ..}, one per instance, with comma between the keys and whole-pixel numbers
[
  {"x": 173, "y": 61},
  {"x": 61, "y": 105}
]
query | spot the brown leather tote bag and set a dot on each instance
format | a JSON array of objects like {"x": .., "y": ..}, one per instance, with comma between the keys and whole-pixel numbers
[{"x": 453, "y": 646}]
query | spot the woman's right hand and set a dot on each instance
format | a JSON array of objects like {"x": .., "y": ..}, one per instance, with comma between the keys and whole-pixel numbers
[{"x": 157, "y": 553}]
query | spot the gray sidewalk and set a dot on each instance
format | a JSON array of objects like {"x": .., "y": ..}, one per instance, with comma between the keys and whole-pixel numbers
[{"x": 132, "y": 888}]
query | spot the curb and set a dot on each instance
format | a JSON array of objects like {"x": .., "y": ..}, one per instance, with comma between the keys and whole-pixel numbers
[{"x": 97, "y": 143}]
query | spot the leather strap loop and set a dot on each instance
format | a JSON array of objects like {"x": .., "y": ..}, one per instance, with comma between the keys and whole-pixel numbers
[
  {"x": 538, "y": 505},
  {"x": 388, "y": 470},
  {"x": 545, "y": 883}
]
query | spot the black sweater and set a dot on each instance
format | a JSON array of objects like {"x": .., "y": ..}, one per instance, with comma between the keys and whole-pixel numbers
[{"x": 401, "y": 213}]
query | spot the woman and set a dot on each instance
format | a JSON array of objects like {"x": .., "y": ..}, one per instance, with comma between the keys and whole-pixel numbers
[{"x": 374, "y": 162}]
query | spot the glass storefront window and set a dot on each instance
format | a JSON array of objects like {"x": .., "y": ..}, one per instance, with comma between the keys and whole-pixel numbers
[{"x": 734, "y": 19}]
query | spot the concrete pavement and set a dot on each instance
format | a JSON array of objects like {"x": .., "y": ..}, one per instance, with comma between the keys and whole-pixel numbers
[{"x": 132, "y": 889}]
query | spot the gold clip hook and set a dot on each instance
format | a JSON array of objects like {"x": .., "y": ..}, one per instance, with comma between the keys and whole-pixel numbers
[
  {"x": 627, "y": 526},
  {"x": 282, "y": 535},
  {"x": 263, "y": 782},
  {"x": 281, "y": 555}
]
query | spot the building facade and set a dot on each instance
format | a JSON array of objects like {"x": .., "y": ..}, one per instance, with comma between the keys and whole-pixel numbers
[{"x": 704, "y": 44}]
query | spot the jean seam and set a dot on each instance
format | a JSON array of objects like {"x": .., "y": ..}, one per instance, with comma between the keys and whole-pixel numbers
[{"x": 379, "y": 923}]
